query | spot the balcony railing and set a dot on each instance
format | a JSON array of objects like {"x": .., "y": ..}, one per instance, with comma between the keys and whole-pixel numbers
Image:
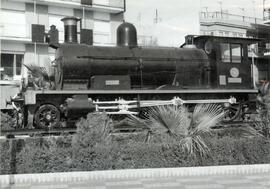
[
  {"x": 225, "y": 17},
  {"x": 108, "y": 5}
]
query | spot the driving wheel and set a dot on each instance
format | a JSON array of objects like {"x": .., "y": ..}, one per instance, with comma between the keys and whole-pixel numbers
[{"x": 47, "y": 116}]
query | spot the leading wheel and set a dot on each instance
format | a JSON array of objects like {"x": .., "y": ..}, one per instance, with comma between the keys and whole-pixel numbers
[
  {"x": 232, "y": 112},
  {"x": 47, "y": 116}
]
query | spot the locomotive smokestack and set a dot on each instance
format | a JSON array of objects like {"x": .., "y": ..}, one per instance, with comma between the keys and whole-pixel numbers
[
  {"x": 70, "y": 24},
  {"x": 127, "y": 35}
]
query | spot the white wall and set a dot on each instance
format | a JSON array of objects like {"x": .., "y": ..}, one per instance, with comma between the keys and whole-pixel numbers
[{"x": 13, "y": 24}]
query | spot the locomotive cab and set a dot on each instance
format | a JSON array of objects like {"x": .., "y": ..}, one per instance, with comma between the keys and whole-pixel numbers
[{"x": 231, "y": 67}]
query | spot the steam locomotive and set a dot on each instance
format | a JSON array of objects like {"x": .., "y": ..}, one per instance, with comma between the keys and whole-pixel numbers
[{"x": 126, "y": 79}]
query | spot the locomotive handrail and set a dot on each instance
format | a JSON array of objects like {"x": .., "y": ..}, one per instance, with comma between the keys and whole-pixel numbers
[
  {"x": 124, "y": 105},
  {"x": 137, "y": 58}
]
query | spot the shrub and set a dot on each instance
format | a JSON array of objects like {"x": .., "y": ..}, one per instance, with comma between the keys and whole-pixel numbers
[
  {"x": 93, "y": 148},
  {"x": 92, "y": 142},
  {"x": 94, "y": 129},
  {"x": 8, "y": 121},
  {"x": 9, "y": 151},
  {"x": 45, "y": 155},
  {"x": 5, "y": 157},
  {"x": 57, "y": 155}
]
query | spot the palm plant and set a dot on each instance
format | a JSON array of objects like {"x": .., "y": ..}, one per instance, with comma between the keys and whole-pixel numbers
[
  {"x": 177, "y": 123},
  {"x": 42, "y": 75},
  {"x": 204, "y": 117}
]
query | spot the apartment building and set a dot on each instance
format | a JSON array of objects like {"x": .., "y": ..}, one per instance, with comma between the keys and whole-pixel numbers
[
  {"x": 266, "y": 11},
  {"x": 222, "y": 23},
  {"x": 17, "y": 16}
]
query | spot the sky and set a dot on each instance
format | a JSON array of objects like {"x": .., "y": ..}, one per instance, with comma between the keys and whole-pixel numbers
[{"x": 178, "y": 18}]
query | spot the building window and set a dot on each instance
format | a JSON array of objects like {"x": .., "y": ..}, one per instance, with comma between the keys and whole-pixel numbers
[
  {"x": 231, "y": 52},
  {"x": 10, "y": 66}
]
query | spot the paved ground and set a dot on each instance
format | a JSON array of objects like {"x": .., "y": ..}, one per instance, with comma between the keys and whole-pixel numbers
[
  {"x": 256, "y": 181},
  {"x": 228, "y": 179}
]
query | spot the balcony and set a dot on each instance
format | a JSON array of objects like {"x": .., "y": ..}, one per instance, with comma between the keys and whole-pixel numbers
[
  {"x": 226, "y": 19},
  {"x": 110, "y": 6}
]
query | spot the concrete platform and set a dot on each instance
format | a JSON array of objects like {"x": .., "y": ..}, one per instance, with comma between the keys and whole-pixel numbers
[{"x": 220, "y": 177}]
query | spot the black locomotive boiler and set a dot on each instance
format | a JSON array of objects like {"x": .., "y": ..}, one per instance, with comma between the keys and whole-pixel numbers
[{"x": 126, "y": 78}]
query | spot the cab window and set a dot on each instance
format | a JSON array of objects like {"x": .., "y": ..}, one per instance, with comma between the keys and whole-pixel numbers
[
  {"x": 225, "y": 52},
  {"x": 231, "y": 53},
  {"x": 236, "y": 53}
]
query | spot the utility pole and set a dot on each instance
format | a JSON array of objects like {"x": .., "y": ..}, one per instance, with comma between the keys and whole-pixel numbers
[
  {"x": 139, "y": 19},
  {"x": 221, "y": 10},
  {"x": 254, "y": 12},
  {"x": 263, "y": 9},
  {"x": 206, "y": 12},
  {"x": 220, "y": 6},
  {"x": 206, "y": 9},
  {"x": 243, "y": 13},
  {"x": 157, "y": 19}
]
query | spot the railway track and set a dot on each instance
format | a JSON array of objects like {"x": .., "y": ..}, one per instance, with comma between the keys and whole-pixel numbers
[
  {"x": 234, "y": 124},
  {"x": 36, "y": 132},
  {"x": 12, "y": 133}
]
